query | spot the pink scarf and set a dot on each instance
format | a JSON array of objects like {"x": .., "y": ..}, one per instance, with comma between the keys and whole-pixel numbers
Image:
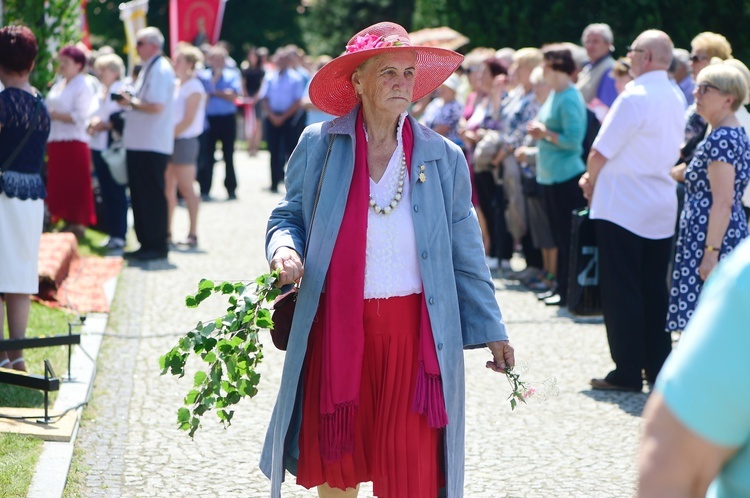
[{"x": 343, "y": 342}]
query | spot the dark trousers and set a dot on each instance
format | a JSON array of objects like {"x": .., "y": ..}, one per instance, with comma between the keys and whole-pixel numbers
[
  {"x": 222, "y": 128},
  {"x": 281, "y": 142},
  {"x": 146, "y": 179},
  {"x": 633, "y": 273},
  {"x": 114, "y": 198},
  {"x": 562, "y": 199}
]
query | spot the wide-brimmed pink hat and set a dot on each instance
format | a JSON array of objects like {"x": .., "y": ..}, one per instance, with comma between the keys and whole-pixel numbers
[{"x": 331, "y": 89}]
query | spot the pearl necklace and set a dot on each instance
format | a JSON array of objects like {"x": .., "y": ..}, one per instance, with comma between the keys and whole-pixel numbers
[{"x": 399, "y": 190}]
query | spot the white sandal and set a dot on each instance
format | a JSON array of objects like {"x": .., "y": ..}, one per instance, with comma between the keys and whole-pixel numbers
[
  {"x": 5, "y": 363},
  {"x": 16, "y": 361}
]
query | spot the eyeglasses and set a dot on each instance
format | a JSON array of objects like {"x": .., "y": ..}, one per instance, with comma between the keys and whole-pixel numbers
[
  {"x": 140, "y": 43},
  {"x": 630, "y": 48},
  {"x": 702, "y": 88},
  {"x": 698, "y": 58}
]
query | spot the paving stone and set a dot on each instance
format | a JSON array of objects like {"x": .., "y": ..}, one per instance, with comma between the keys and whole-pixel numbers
[{"x": 578, "y": 444}]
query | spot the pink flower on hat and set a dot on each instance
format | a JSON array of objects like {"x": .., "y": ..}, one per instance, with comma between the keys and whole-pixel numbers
[{"x": 369, "y": 42}]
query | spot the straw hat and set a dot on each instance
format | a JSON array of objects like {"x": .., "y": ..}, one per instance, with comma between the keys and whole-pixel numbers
[{"x": 331, "y": 89}]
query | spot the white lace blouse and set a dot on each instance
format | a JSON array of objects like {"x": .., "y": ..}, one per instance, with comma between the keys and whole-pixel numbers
[
  {"x": 391, "y": 266},
  {"x": 76, "y": 97}
]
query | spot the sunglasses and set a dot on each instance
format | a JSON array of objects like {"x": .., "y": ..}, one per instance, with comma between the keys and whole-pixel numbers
[
  {"x": 702, "y": 88},
  {"x": 140, "y": 43},
  {"x": 698, "y": 58},
  {"x": 630, "y": 48}
]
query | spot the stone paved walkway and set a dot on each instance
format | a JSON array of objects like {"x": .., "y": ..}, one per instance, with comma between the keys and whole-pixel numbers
[{"x": 578, "y": 444}]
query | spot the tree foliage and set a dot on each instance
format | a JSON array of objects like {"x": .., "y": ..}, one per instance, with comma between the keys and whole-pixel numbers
[
  {"x": 54, "y": 23},
  {"x": 328, "y": 24},
  {"x": 519, "y": 23}
]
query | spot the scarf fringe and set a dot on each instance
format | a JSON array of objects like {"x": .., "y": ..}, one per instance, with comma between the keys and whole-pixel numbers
[
  {"x": 428, "y": 398},
  {"x": 337, "y": 433}
]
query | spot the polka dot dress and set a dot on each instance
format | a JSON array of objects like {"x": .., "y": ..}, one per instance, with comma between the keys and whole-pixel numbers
[{"x": 725, "y": 144}]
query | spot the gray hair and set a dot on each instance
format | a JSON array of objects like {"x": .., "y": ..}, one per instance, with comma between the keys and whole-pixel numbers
[
  {"x": 151, "y": 35},
  {"x": 598, "y": 28},
  {"x": 680, "y": 58}
]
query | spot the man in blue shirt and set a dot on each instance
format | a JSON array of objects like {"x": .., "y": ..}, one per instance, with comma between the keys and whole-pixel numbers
[
  {"x": 594, "y": 80},
  {"x": 223, "y": 87},
  {"x": 281, "y": 97}
]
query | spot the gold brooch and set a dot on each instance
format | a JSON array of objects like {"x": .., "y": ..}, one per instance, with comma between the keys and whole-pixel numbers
[{"x": 422, "y": 176}]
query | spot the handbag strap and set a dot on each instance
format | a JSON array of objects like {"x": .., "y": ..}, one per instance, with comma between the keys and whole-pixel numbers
[
  {"x": 19, "y": 147},
  {"x": 317, "y": 196}
]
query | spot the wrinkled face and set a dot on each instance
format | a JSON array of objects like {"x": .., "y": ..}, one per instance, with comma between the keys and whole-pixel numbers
[
  {"x": 181, "y": 65},
  {"x": 710, "y": 100},
  {"x": 596, "y": 46},
  {"x": 386, "y": 83},
  {"x": 107, "y": 76},
  {"x": 68, "y": 67},
  {"x": 698, "y": 60}
]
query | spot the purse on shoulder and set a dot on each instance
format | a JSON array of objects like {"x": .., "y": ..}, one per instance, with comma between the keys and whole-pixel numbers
[{"x": 285, "y": 304}]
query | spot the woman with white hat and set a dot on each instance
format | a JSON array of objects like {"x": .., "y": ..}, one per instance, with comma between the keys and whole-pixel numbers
[{"x": 395, "y": 284}]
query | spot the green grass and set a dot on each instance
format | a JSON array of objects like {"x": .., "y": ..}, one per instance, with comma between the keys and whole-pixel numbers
[
  {"x": 17, "y": 463},
  {"x": 43, "y": 321},
  {"x": 19, "y": 454},
  {"x": 91, "y": 243}
]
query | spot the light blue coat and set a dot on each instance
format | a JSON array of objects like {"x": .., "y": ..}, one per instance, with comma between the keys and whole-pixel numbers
[{"x": 458, "y": 286}]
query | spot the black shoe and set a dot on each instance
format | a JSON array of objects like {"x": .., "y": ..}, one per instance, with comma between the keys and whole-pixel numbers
[
  {"x": 151, "y": 255},
  {"x": 132, "y": 254},
  {"x": 206, "y": 198},
  {"x": 232, "y": 197},
  {"x": 605, "y": 385}
]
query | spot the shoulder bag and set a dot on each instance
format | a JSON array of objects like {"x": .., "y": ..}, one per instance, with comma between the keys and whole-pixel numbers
[
  {"x": 115, "y": 157},
  {"x": 286, "y": 303}
]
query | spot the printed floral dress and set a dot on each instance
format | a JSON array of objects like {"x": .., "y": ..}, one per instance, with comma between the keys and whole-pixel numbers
[{"x": 726, "y": 144}]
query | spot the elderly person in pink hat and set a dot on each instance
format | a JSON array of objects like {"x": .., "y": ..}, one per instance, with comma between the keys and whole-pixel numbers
[{"x": 378, "y": 218}]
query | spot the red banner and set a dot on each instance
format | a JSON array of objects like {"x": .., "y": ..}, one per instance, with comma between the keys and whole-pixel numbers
[{"x": 195, "y": 21}]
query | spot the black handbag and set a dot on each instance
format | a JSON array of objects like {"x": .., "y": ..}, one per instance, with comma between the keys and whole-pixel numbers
[
  {"x": 286, "y": 303},
  {"x": 583, "y": 282}
]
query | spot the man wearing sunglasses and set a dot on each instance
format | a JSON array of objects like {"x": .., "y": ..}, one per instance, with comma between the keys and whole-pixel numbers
[{"x": 633, "y": 202}]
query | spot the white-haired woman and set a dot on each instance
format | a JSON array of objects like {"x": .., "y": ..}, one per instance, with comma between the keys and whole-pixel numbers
[
  {"x": 373, "y": 377},
  {"x": 103, "y": 127},
  {"x": 712, "y": 222}
]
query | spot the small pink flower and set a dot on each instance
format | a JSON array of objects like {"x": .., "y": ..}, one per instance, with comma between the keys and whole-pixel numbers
[
  {"x": 529, "y": 393},
  {"x": 365, "y": 42}
]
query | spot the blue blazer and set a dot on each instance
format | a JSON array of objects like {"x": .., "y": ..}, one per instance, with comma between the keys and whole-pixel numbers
[{"x": 458, "y": 286}]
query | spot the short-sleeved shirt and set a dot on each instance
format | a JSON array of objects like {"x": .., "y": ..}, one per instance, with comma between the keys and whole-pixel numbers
[
  {"x": 641, "y": 137},
  {"x": 282, "y": 90},
  {"x": 146, "y": 131},
  {"x": 76, "y": 97},
  {"x": 565, "y": 114},
  {"x": 218, "y": 106},
  {"x": 705, "y": 382},
  {"x": 181, "y": 94}
]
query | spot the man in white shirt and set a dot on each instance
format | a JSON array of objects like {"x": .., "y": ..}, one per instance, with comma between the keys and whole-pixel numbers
[
  {"x": 633, "y": 201},
  {"x": 149, "y": 139}
]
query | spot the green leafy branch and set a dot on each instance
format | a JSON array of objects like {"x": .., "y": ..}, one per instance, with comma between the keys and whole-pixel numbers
[
  {"x": 229, "y": 347},
  {"x": 521, "y": 391}
]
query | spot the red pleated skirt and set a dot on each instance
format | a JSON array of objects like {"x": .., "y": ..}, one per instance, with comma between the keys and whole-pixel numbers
[
  {"x": 70, "y": 196},
  {"x": 393, "y": 446}
]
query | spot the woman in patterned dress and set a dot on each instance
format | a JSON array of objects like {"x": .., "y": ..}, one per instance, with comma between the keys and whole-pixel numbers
[{"x": 712, "y": 222}]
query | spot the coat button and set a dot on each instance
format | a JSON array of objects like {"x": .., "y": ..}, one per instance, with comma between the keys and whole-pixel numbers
[
  {"x": 424, "y": 255},
  {"x": 440, "y": 346},
  {"x": 432, "y": 300},
  {"x": 416, "y": 208}
]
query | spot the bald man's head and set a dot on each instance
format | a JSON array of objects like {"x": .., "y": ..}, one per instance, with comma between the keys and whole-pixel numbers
[
  {"x": 651, "y": 51},
  {"x": 660, "y": 46}
]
